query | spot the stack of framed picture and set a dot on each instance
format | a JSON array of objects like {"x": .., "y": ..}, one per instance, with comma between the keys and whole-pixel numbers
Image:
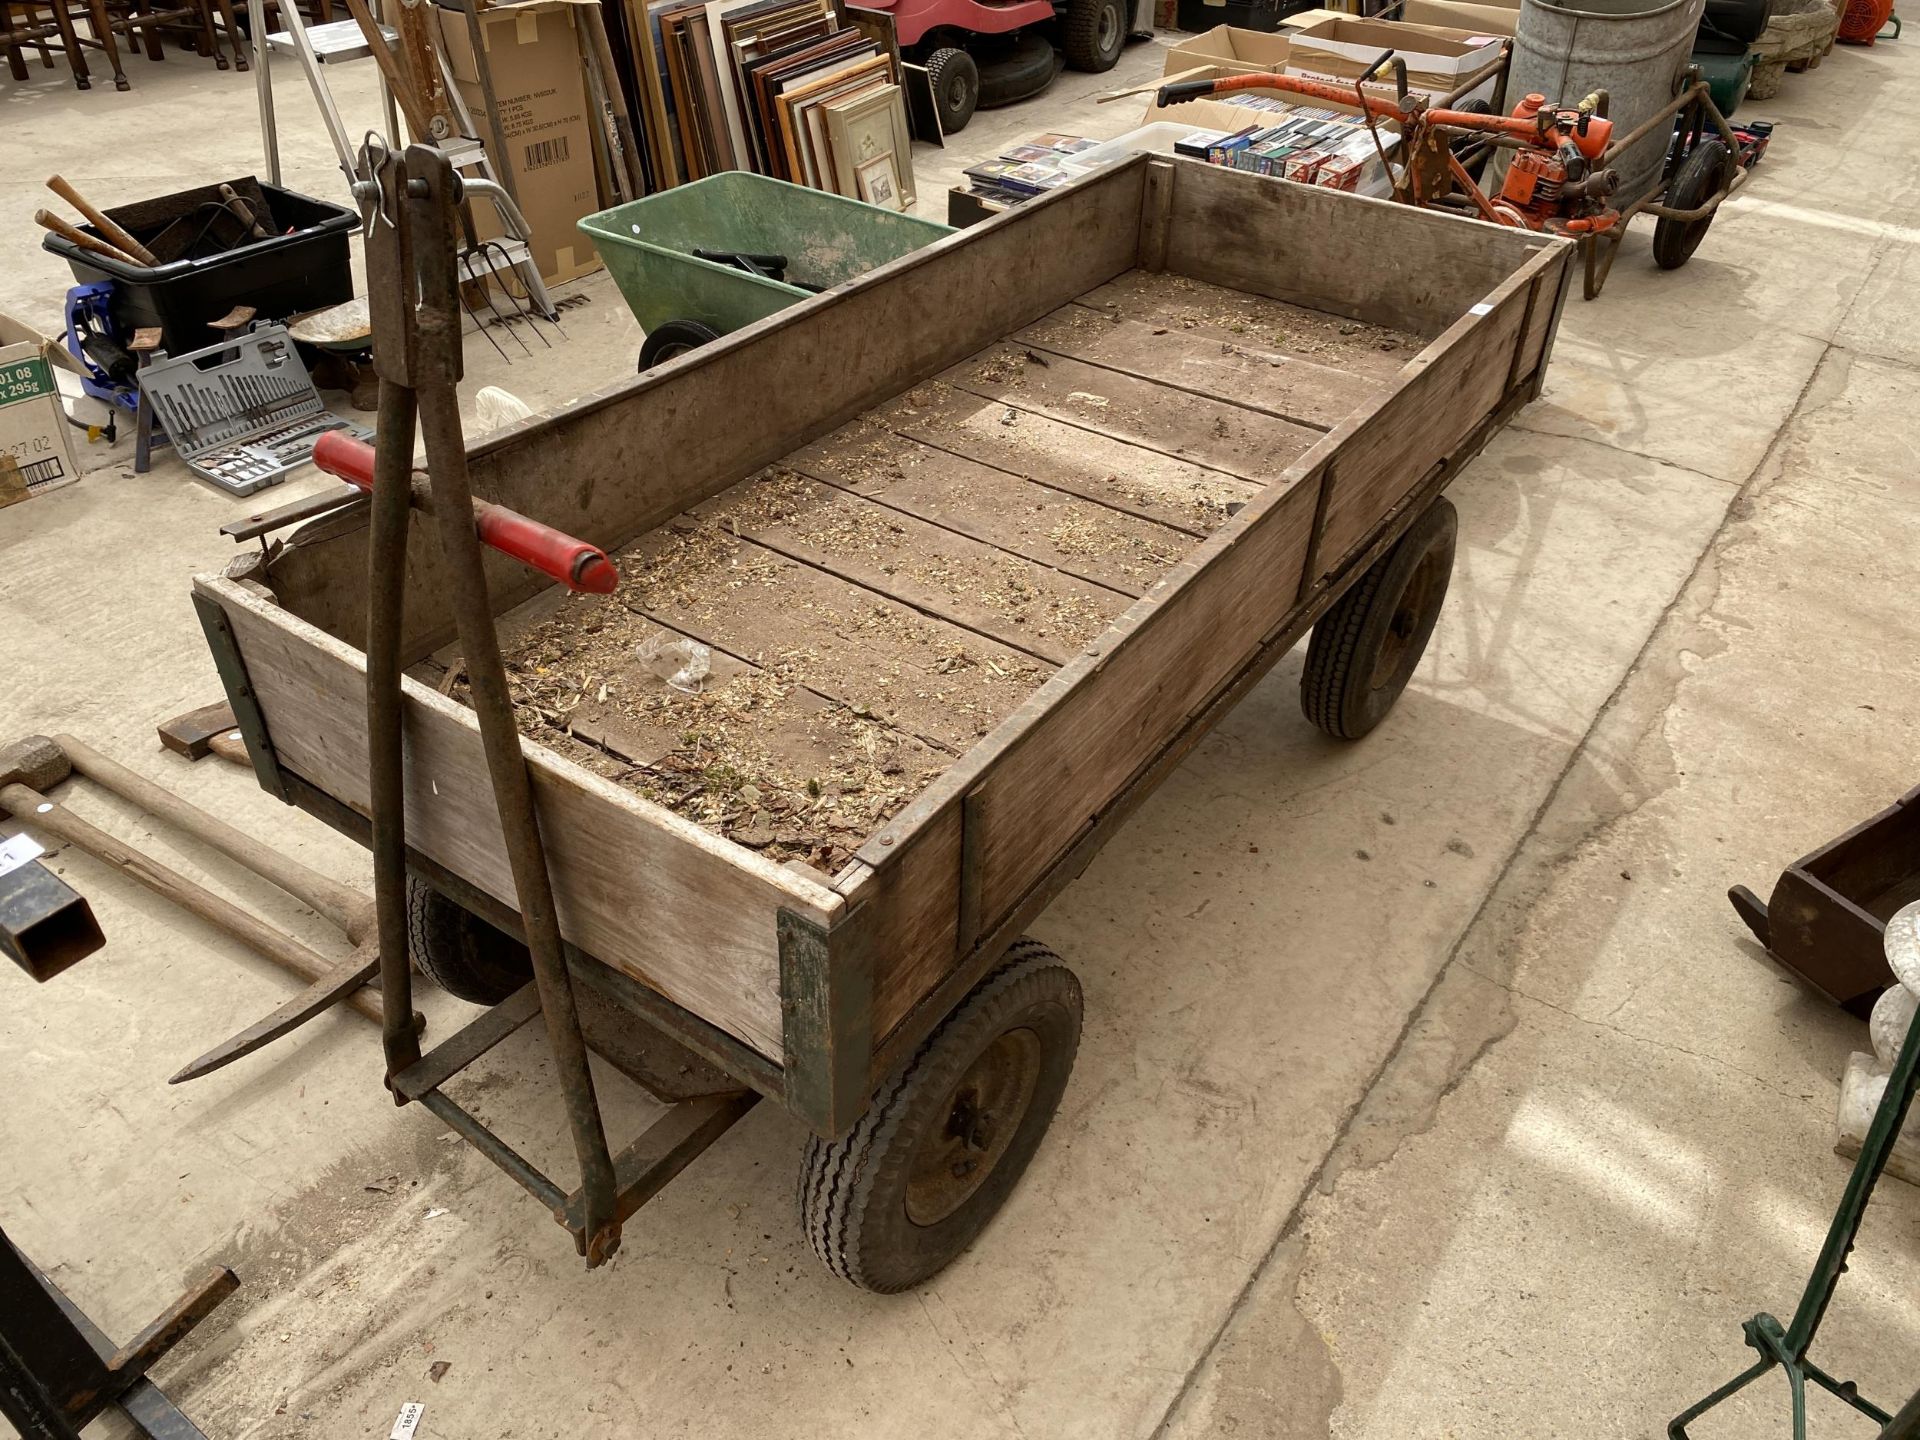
[{"x": 781, "y": 87}]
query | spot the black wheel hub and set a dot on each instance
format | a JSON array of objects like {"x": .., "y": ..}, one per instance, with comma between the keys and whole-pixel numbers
[{"x": 984, "y": 1112}]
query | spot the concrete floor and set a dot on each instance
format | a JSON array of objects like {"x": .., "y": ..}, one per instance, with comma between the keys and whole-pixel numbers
[{"x": 1429, "y": 1087}]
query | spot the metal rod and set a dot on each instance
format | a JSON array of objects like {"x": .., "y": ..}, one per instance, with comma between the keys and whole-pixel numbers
[
  {"x": 513, "y": 793},
  {"x": 386, "y": 774},
  {"x": 263, "y": 85},
  {"x": 345, "y": 906},
  {"x": 465, "y": 579},
  {"x": 497, "y": 1150}
]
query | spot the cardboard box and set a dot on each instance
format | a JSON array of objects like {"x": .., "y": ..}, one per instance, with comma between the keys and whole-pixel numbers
[
  {"x": 36, "y": 443},
  {"x": 1438, "y": 62},
  {"x": 1230, "y": 51},
  {"x": 1488, "y": 18},
  {"x": 539, "y": 76}
]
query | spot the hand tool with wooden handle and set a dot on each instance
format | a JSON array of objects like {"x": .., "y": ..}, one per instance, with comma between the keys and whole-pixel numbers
[
  {"x": 113, "y": 234},
  {"x": 244, "y": 213},
  {"x": 574, "y": 563},
  {"x": 47, "y": 220}
]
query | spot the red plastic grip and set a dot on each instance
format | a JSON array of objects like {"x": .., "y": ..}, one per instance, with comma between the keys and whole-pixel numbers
[{"x": 574, "y": 563}]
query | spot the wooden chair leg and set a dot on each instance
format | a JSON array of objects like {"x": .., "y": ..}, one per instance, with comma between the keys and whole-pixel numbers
[
  {"x": 143, "y": 10},
  {"x": 209, "y": 38},
  {"x": 16, "y": 62},
  {"x": 103, "y": 27},
  {"x": 234, "y": 37},
  {"x": 76, "y": 61}
]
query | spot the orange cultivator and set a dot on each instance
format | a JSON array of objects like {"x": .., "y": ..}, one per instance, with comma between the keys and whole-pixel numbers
[{"x": 1558, "y": 179}]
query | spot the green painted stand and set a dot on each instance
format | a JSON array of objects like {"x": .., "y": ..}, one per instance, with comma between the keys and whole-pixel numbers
[{"x": 1788, "y": 1347}]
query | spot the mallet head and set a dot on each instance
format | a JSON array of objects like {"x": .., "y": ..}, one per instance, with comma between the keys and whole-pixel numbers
[{"x": 35, "y": 762}]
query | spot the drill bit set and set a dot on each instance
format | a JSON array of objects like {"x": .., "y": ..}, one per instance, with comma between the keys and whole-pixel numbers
[{"x": 246, "y": 419}]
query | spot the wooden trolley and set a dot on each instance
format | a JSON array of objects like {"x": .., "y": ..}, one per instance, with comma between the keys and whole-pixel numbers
[{"x": 1251, "y": 395}]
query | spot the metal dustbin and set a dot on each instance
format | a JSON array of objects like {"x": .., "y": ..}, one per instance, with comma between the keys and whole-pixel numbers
[
  {"x": 682, "y": 301},
  {"x": 1633, "y": 49}
]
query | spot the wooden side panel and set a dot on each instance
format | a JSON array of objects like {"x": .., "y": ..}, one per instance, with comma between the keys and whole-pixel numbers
[
  {"x": 1447, "y": 391},
  {"x": 624, "y": 459},
  {"x": 1161, "y": 663},
  {"x": 1372, "y": 260},
  {"x": 638, "y": 887},
  {"x": 908, "y": 915}
]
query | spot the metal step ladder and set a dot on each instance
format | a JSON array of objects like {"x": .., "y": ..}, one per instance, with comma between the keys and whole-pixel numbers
[{"x": 342, "y": 42}]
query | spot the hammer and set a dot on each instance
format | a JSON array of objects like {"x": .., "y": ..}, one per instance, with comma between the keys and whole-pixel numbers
[{"x": 30, "y": 767}]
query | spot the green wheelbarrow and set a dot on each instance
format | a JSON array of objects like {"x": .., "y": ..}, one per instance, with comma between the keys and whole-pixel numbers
[{"x": 699, "y": 260}]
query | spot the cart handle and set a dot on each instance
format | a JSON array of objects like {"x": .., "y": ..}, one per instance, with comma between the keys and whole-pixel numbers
[{"x": 574, "y": 563}]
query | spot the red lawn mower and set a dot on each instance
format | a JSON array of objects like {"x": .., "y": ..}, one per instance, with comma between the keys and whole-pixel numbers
[{"x": 980, "y": 53}]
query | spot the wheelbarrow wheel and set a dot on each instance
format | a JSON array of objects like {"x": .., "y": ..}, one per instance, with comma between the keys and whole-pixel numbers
[
  {"x": 1700, "y": 177},
  {"x": 1467, "y": 145},
  {"x": 1364, "y": 649},
  {"x": 674, "y": 338},
  {"x": 955, "y": 79},
  {"x": 945, "y": 1140},
  {"x": 460, "y": 952}
]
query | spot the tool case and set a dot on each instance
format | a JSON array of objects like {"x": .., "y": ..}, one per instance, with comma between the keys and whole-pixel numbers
[{"x": 241, "y": 413}]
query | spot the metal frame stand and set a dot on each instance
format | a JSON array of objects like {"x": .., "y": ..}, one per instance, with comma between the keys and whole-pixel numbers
[
  {"x": 412, "y": 279},
  {"x": 464, "y": 151},
  {"x": 1787, "y": 1347},
  {"x": 58, "y": 1370}
]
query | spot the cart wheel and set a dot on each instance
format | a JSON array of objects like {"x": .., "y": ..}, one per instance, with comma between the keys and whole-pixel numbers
[
  {"x": 675, "y": 337},
  {"x": 956, "y": 87},
  {"x": 460, "y": 952},
  {"x": 1705, "y": 171},
  {"x": 1094, "y": 33},
  {"x": 947, "y": 1138},
  {"x": 1365, "y": 648}
]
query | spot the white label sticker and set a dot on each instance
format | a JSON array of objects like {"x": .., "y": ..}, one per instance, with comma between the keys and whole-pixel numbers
[
  {"x": 1482, "y": 308},
  {"x": 408, "y": 1422},
  {"x": 18, "y": 850}
]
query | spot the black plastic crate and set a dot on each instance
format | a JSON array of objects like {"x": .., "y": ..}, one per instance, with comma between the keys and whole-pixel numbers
[{"x": 285, "y": 275}]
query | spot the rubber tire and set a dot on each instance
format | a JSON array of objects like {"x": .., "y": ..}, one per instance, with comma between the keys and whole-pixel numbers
[
  {"x": 1336, "y": 689},
  {"x": 1024, "y": 71},
  {"x": 1479, "y": 167},
  {"x": 956, "y": 87},
  {"x": 460, "y": 952},
  {"x": 853, "y": 1190},
  {"x": 674, "y": 338},
  {"x": 1707, "y": 167},
  {"x": 1080, "y": 34}
]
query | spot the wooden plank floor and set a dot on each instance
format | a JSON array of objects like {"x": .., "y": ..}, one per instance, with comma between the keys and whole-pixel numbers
[{"x": 878, "y": 601}]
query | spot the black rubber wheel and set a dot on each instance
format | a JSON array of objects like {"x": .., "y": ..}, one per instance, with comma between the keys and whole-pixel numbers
[
  {"x": 676, "y": 337},
  {"x": 1017, "y": 71},
  {"x": 1467, "y": 144},
  {"x": 1094, "y": 33},
  {"x": 1365, "y": 648},
  {"x": 946, "y": 1139},
  {"x": 460, "y": 952},
  {"x": 1708, "y": 167},
  {"x": 956, "y": 87}
]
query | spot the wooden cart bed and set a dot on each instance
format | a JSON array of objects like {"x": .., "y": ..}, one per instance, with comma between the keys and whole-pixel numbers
[
  {"x": 980, "y": 544},
  {"x": 876, "y": 602}
]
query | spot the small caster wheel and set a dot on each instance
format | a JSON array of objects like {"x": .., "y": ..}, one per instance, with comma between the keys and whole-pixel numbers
[
  {"x": 899, "y": 1196},
  {"x": 673, "y": 339},
  {"x": 1365, "y": 648}
]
